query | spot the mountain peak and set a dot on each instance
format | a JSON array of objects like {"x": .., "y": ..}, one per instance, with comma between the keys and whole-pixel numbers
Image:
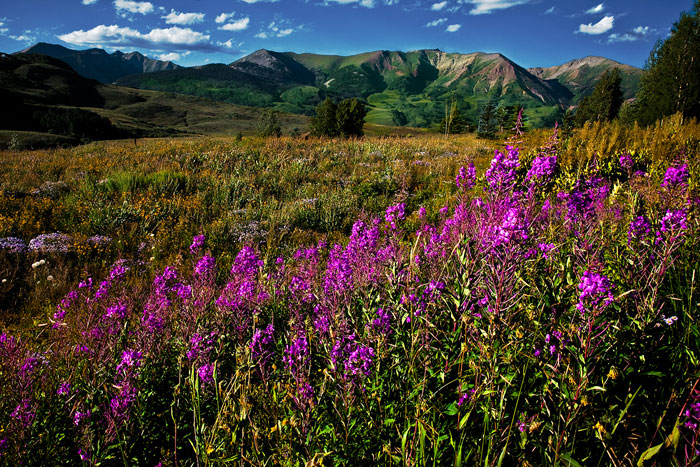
[
  {"x": 273, "y": 66},
  {"x": 97, "y": 64}
]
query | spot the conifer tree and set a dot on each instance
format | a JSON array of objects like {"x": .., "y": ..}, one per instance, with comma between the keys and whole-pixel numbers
[
  {"x": 671, "y": 81},
  {"x": 350, "y": 117},
  {"x": 487, "y": 121},
  {"x": 605, "y": 101},
  {"x": 324, "y": 123}
]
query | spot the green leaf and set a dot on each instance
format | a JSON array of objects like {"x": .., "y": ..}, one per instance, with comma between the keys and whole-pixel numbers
[
  {"x": 569, "y": 461},
  {"x": 452, "y": 409},
  {"x": 648, "y": 454}
]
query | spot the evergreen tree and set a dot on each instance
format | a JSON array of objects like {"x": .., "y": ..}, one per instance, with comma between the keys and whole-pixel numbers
[
  {"x": 350, "y": 117},
  {"x": 268, "y": 124},
  {"x": 487, "y": 121},
  {"x": 671, "y": 82},
  {"x": 505, "y": 116},
  {"x": 324, "y": 123},
  {"x": 605, "y": 101}
]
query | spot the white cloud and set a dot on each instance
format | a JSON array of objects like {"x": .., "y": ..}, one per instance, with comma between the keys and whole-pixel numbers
[
  {"x": 602, "y": 26},
  {"x": 172, "y": 56},
  {"x": 596, "y": 9},
  {"x": 364, "y": 3},
  {"x": 439, "y": 6},
  {"x": 453, "y": 27},
  {"x": 238, "y": 25},
  {"x": 89, "y": 2},
  {"x": 22, "y": 38},
  {"x": 278, "y": 28},
  {"x": 261, "y": 1},
  {"x": 482, "y": 7},
  {"x": 641, "y": 30},
  {"x": 229, "y": 44},
  {"x": 175, "y": 17},
  {"x": 223, "y": 17},
  {"x": 3, "y": 31},
  {"x": 180, "y": 38},
  {"x": 626, "y": 37},
  {"x": 128, "y": 6},
  {"x": 550, "y": 11},
  {"x": 437, "y": 22}
]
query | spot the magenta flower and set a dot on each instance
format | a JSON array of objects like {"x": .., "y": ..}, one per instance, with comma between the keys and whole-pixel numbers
[{"x": 197, "y": 244}]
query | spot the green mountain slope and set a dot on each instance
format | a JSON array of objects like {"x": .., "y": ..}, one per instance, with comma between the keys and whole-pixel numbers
[
  {"x": 49, "y": 98},
  {"x": 402, "y": 88}
]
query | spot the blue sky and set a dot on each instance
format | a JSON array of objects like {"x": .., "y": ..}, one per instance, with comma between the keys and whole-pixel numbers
[{"x": 530, "y": 32}]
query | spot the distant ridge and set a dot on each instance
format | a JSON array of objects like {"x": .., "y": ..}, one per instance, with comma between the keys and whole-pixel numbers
[
  {"x": 401, "y": 88},
  {"x": 100, "y": 65}
]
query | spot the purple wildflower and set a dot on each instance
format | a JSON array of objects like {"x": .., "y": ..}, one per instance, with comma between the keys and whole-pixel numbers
[
  {"x": 502, "y": 172},
  {"x": 596, "y": 290},
  {"x": 197, "y": 244},
  {"x": 545, "y": 248},
  {"x": 51, "y": 243},
  {"x": 63, "y": 389},
  {"x": 640, "y": 228},
  {"x": 80, "y": 416},
  {"x": 676, "y": 177},
  {"x": 394, "y": 214},
  {"x": 247, "y": 264},
  {"x": 296, "y": 354},
  {"x": 465, "y": 397},
  {"x": 673, "y": 220},
  {"x": 260, "y": 343},
  {"x": 130, "y": 359},
  {"x": 466, "y": 178},
  {"x": 205, "y": 266},
  {"x": 542, "y": 169},
  {"x": 626, "y": 161},
  {"x": 13, "y": 245},
  {"x": 382, "y": 323},
  {"x": 206, "y": 373}
]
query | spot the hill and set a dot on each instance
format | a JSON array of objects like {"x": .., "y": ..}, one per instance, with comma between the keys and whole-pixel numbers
[
  {"x": 100, "y": 65},
  {"x": 49, "y": 98},
  {"x": 580, "y": 75},
  {"x": 402, "y": 88}
]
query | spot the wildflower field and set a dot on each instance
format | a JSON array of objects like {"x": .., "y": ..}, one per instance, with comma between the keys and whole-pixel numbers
[{"x": 383, "y": 301}]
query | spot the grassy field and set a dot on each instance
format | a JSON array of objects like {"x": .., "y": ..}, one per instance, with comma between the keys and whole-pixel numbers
[{"x": 393, "y": 300}]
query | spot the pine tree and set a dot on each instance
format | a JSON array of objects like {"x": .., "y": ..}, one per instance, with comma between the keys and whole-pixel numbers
[
  {"x": 671, "y": 81},
  {"x": 350, "y": 117},
  {"x": 324, "y": 123},
  {"x": 487, "y": 121},
  {"x": 605, "y": 101}
]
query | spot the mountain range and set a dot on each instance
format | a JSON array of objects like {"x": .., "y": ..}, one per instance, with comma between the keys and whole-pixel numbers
[
  {"x": 401, "y": 88},
  {"x": 100, "y": 65}
]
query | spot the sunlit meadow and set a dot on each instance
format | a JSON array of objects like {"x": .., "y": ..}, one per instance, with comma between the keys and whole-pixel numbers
[{"x": 384, "y": 301}]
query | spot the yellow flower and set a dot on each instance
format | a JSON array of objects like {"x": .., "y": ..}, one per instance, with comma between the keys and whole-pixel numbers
[
  {"x": 600, "y": 428},
  {"x": 613, "y": 373}
]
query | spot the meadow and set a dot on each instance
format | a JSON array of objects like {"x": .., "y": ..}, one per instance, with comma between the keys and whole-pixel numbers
[{"x": 384, "y": 301}]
